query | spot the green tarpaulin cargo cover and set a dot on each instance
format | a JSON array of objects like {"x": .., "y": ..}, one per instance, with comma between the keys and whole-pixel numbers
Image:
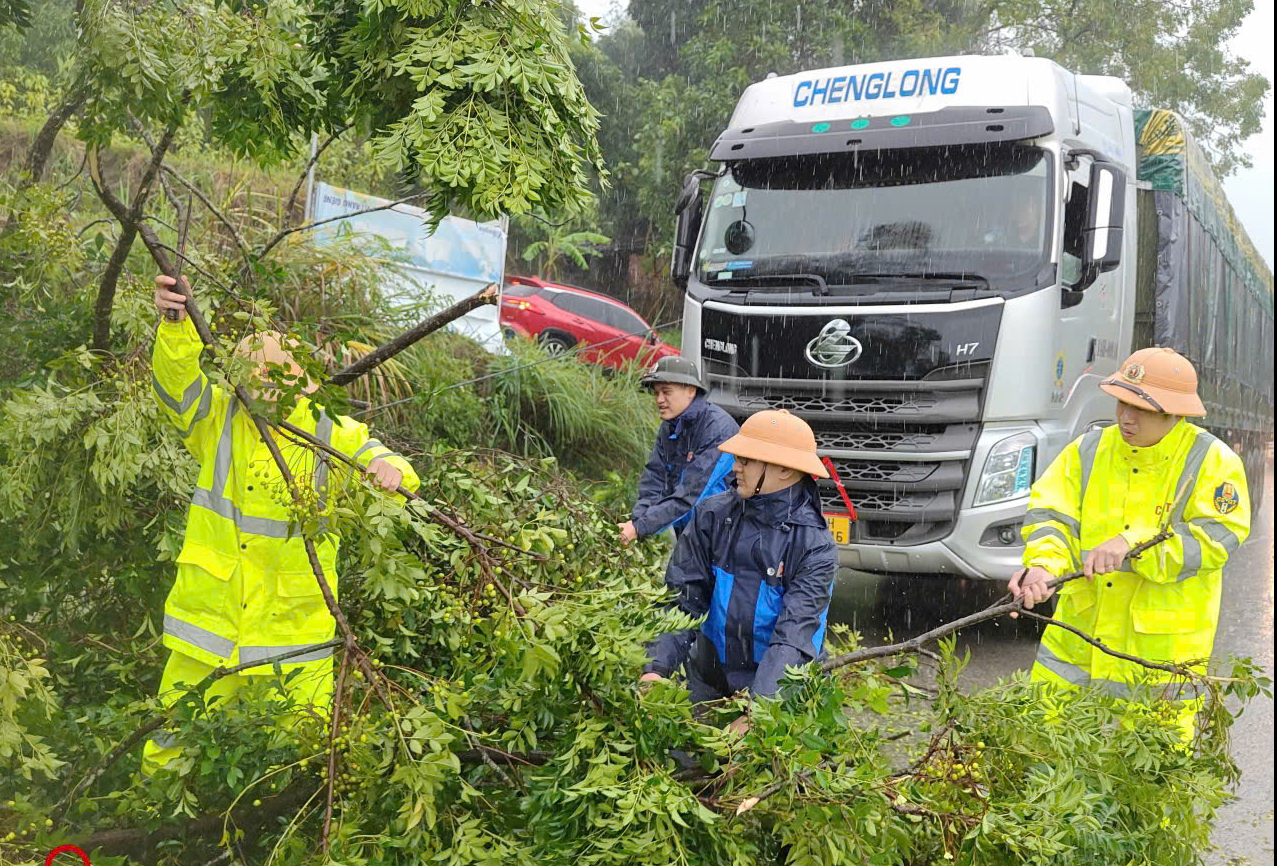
[{"x": 1210, "y": 294}]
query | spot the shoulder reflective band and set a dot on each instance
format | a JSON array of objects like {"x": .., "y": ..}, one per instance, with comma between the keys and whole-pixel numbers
[
  {"x": 1138, "y": 392},
  {"x": 842, "y": 491}
]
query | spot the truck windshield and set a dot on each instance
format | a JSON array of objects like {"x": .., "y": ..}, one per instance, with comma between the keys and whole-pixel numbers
[{"x": 974, "y": 210}]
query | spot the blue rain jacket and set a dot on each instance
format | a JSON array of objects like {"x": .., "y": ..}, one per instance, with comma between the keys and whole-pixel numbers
[
  {"x": 685, "y": 468},
  {"x": 761, "y": 571}
]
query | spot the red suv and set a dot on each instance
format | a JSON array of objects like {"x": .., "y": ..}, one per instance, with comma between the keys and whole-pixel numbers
[{"x": 563, "y": 318}]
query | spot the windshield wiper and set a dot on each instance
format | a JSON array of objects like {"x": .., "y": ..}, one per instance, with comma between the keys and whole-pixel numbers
[
  {"x": 816, "y": 281},
  {"x": 947, "y": 276}
]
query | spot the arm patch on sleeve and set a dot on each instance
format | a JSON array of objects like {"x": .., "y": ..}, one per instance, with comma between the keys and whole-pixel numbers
[{"x": 1226, "y": 498}]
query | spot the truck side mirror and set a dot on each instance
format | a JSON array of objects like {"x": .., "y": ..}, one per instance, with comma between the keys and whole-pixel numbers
[
  {"x": 1106, "y": 210},
  {"x": 688, "y": 209}
]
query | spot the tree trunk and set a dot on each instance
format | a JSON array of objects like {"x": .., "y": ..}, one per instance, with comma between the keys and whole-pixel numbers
[
  {"x": 38, "y": 156},
  {"x": 42, "y": 148},
  {"x": 106, "y": 287},
  {"x": 130, "y": 219}
]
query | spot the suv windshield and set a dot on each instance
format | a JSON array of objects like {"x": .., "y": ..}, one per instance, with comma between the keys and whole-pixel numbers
[{"x": 974, "y": 210}]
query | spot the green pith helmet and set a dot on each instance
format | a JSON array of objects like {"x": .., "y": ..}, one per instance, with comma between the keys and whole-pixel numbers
[{"x": 674, "y": 369}]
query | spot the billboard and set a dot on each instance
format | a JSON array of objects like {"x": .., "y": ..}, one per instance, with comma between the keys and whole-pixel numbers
[{"x": 458, "y": 259}]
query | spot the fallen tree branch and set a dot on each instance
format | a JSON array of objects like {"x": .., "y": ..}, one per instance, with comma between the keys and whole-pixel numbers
[
  {"x": 487, "y": 759},
  {"x": 798, "y": 778},
  {"x": 1168, "y": 667},
  {"x": 338, "y": 695},
  {"x": 256, "y": 820},
  {"x": 487, "y": 295},
  {"x": 994, "y": 611},
  {"x": 432, "y": 514},
  {"x": 527, "y": 759}
]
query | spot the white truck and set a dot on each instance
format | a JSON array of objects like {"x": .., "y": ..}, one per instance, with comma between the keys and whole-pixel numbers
[{"x": 935, "y": 261}]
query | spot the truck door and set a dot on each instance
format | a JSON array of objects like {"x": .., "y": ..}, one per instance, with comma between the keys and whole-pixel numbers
[{"x": 1091, "y": 341}]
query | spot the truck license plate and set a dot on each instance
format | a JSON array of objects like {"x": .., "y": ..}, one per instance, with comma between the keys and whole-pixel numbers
[{"x": 839, "y": 527}]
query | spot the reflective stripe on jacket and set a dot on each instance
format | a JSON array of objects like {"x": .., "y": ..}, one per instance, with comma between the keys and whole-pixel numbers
[
  {"x": 1164, "y": 605},
  {"x": 761, "y": 571},
  {"x": 685, "y": 467},
  {"x": 245, "y": 589}
]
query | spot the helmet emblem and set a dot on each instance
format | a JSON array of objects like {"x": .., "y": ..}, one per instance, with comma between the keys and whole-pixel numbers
[
  {"x": 834, "y": 346},
  {"x": 1133, "y": 372}
]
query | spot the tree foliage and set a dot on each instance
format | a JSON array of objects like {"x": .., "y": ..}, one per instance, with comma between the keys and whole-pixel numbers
[
  {"x": 1173, "y": 55},
  {"x": 477, "y": 105},
  {"x": 559, "y": 243}
]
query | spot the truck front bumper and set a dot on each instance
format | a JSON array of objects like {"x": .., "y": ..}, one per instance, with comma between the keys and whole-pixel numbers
[{"x": 972, "y": 550}]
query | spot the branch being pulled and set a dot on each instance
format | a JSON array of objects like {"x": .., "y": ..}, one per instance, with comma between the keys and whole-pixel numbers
[{"x": 999, "y": 608}]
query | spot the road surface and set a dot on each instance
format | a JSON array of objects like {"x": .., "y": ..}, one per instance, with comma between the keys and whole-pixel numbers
[{"x": 904, "y": 606}]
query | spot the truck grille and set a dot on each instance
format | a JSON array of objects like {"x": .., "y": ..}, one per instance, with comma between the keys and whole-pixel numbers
[
  {"x": 829, "y": 439},
  {"x": 897, "y": 502},
  {"x": 900, "y": 420},
  {"x": 865, "y": 470},
  {"x": 858, "y": 404}
]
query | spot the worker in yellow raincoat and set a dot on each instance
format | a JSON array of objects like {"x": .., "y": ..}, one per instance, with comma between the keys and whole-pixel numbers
[
  {"x": 1112, "y": 489},
  {"x": 245, "y": 589}
]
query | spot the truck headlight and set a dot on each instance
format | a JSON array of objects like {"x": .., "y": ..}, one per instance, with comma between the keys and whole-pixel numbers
[{"x": 1008, "y": 471}]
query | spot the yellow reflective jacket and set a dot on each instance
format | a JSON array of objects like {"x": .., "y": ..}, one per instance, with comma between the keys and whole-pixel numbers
[
  {"x": 245, "y": 589},
  {"x": 1164, "y": 605}
]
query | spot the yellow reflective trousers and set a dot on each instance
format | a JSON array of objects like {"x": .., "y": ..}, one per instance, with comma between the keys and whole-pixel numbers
[{"x": 1164, "y": 605}]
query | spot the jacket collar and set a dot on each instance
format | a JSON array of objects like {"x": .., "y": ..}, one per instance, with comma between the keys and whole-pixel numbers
[
  {"x": 798, "y": 505},
  {"x": 690, "y": 415},
  {"x": 1164, "y": 450}
]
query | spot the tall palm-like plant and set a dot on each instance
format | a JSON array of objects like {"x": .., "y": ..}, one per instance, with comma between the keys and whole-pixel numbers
[{"x": 560, "y": 243}]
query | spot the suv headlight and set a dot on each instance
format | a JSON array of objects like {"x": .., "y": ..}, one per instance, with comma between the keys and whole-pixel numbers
[{"x": 1008, "y": 471}]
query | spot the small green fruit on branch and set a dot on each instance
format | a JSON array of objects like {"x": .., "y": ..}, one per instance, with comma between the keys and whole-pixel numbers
[{"x": 433, "y": 514}]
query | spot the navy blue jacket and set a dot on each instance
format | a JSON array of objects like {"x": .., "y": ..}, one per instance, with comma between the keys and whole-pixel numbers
[
  {"x": 762, "y": 569},
  {"x": 685, "y": 467}
]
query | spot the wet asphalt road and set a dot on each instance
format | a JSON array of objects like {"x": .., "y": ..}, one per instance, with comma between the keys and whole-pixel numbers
[{"x": 885, "y": 608}]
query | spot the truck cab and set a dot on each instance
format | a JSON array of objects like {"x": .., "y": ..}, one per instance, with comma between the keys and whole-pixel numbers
[{"x": 931, "y": 261}]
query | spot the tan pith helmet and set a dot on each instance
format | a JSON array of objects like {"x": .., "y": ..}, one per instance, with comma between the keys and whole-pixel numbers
[
  {"x": 775, "y": 436},
  {"x": 1157, "y": 380},
  {"x": 267, "y": 347}
]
